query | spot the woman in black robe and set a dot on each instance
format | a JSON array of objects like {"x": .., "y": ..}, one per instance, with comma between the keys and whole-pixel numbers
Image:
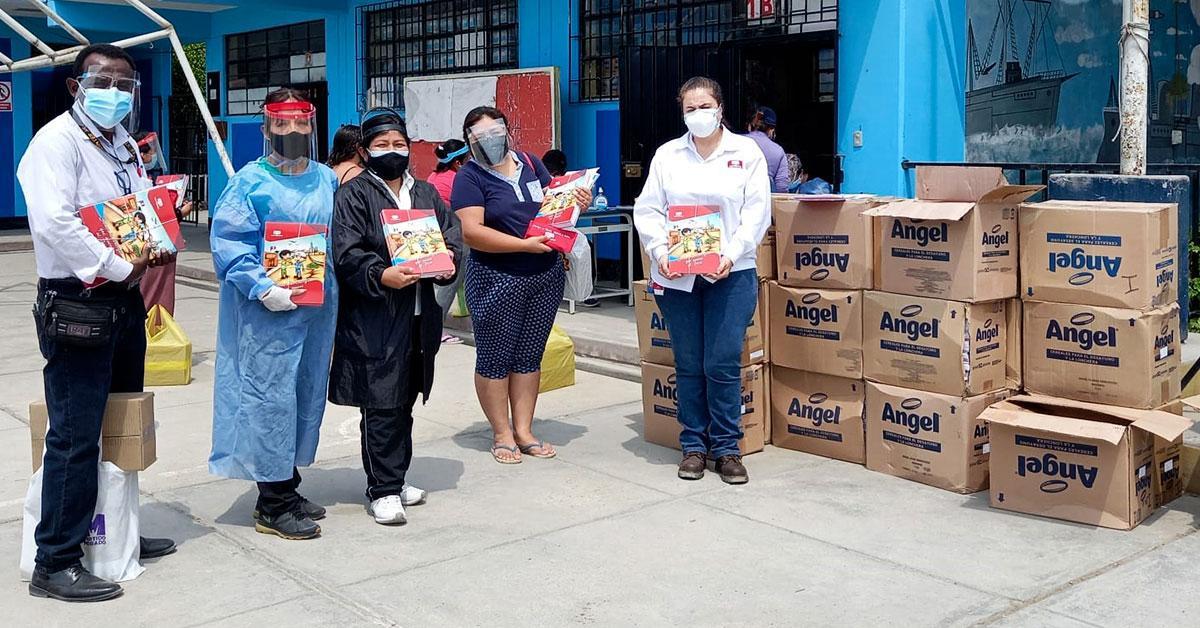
[{"x": 389, "y": 322}]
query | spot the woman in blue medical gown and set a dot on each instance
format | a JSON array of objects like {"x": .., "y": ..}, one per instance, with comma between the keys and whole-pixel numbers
[{"x": 273, "y": 345}]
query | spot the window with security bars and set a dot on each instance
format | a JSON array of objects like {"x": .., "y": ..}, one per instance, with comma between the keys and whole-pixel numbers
[
  {"x": 606, "y": 26},
  {"x": 259, "y": 62},
  {"x": 423, "y": 37}
]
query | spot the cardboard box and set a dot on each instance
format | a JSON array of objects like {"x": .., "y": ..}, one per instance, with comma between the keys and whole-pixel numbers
[
  {"x": 1102, "y": 355},
  {"x": 767, "y": 420},
  {"x": 765, "y": 257},
  {"x": 939, "y": 440},
  {"x": 654, "y": 343},
  {"x": 957, "y": 240},
  {"x": 127, "y": 434},
  {"x": 818, "y": 414},
  {"x": 1168, "y": 456},
  {"x": 1076, "y": 461},
  {"x": 660, "y": 409},
  {"x": 1015, "y": 344},
  {"x": 923, "y": 344},
  {"x": 1100, "y": 253},
  {"x": 817, "y": 330},
  {"x": 824, "y": 241}
]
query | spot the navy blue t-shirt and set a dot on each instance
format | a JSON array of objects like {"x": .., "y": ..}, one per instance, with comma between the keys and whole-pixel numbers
[{"x": 507, "y": 207}]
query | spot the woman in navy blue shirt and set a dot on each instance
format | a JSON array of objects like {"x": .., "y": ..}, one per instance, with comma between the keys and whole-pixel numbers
[{"x": 514, "y": 284}]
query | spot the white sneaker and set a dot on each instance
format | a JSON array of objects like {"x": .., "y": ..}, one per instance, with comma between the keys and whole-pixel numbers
[
  {"x": 388, "y": 510},
  {"x": 412, "y": 496}
]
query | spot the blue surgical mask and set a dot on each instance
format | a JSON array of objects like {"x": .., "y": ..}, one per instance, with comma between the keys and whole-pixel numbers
[{"x": 107, "y": 107}]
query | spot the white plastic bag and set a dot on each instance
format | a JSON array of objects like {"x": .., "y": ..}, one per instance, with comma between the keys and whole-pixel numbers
[
  {"x": 579, "y": 270},
  {"x": 112, "y": 547}
]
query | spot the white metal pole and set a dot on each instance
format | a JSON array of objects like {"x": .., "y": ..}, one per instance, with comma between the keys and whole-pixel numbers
[
  {"x": 1135, "y": 66},
  {"x": 201, "y": 104},
  {"x": 25, "y": 34}
]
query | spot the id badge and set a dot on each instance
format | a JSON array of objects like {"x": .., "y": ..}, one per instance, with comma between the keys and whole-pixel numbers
[{"x": 535, "y": 191}]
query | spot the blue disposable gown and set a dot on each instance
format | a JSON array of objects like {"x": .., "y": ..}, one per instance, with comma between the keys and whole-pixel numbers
[{"x": 272, "y": 367}]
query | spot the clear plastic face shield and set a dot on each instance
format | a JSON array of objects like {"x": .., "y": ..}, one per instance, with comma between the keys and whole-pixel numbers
[
  {"x": 289, "y": 135},
  {"x": 110, "y": 94},
  {"x": 152, "y": 154},
  {"x": 490, "y": 141}
]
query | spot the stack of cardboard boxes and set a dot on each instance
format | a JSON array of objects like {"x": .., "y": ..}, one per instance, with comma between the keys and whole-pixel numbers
[
  {"x": 815, "y": 324},
  {"x": 939, "y": 337},
  {"x": 1101, "y": 346},
  {"x": 900, "y": 332}
]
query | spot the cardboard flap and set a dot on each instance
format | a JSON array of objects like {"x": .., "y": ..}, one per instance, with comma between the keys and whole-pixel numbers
[
  {"x": 1164, "y": 425},
  {"x": 1009, "y": 195},
  {"x": 957, "y": 183},
  {"x": 923, "y": 210},
  {"x": 1191, "y": 402},
  {"x": 1018, "y": 415},
  {"x": 1157, "y": 422}
]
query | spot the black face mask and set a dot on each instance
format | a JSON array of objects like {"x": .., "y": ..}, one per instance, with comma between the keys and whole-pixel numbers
[
  {"x": 292, "y": 145},
  {"x": 389, "y": 166}
]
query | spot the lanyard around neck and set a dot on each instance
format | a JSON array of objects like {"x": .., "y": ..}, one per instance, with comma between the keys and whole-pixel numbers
[{"x": 100, "y": 145}]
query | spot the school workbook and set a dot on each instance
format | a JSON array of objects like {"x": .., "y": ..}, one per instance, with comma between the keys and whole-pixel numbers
[
  {"x": 694, "y": 239},
  {"x": 415, "y": 241},
  {"x": 135, "y": 222},
  {"x": 294, "y": 256}
]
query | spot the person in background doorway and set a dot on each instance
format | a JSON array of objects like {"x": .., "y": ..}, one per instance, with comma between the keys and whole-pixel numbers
[
  {"x": 514, "y": 283},
  {"x": 272, "y": 365},
  {"x": 389, "y": 322},
  {"x": 83, "y": 157},
  {"x": 762, "y": 130},
  {"x": 451, "y": 155},
  {"x": 707, "y": 317},
  {"x": 344, "y": 157},
  {"x": 158, "y": 286},
  {"x": 556, "y": 162},
  {"x": 802, "y": 182}
]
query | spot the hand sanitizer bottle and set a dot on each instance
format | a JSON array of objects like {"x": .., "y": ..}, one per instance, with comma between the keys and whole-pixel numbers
[{"x": 601, "y": 201}]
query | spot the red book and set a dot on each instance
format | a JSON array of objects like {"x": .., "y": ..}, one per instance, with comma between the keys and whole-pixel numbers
[
  {"x": 177, "y": 184},
  {"x": 694, "y": 239},
  {"x": 294, "y": 256},
  {"x": 131, "y": 223},
  {"x": 558, "y": 238},
  {"x": 559, "y": 205},
  {"x": 415, "y": 241}
]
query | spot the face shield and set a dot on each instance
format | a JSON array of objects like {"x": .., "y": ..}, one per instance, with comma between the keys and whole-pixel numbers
[
  {"x": 490, "y": 141},
  {"x": 289, "y": 134},
  {"x": 152, "y": 154},
  {"x": 110, "y": 94}
]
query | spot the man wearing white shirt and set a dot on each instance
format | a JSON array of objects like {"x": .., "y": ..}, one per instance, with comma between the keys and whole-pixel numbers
[{"x": 92, "y": 336}]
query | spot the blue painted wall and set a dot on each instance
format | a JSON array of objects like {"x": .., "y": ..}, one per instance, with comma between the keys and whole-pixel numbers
[
  {"x": 900, "y": 81},
  {"x": 7, "y": 156}
]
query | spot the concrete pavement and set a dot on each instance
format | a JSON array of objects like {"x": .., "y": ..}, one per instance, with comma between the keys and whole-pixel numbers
[{"x": 603, "y": 535}]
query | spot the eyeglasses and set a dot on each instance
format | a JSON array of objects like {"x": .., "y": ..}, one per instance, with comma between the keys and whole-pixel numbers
[
  {"x": 105, "y": 81},
  {"x": 124, "y": 181}
]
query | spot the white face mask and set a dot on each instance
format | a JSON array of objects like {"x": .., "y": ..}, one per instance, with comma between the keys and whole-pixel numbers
[{"x": 703, "y": 122}]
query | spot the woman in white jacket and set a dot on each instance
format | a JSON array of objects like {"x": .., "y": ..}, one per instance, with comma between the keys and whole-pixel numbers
[{"x": 707, "y": 317}]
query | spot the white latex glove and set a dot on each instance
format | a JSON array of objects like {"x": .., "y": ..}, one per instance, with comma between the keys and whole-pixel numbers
[{"x": 277, "y": 299}]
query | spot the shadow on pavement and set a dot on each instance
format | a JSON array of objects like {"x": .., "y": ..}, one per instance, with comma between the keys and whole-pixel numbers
[{"x": 346, "y": 485}]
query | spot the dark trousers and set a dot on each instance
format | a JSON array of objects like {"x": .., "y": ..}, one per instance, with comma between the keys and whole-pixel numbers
[
  {"x": 707, "y": 327},
  {"x": 387, "y": 446},
  {"x": 77, "y": 383},
  {"x": 277, "y": 498}
]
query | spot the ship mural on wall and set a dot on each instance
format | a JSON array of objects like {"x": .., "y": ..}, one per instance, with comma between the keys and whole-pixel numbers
[{"x": 1042, "y": 76}]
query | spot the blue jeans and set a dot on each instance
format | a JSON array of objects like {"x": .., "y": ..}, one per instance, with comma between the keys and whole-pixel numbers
[
  {"x": 78, "y": 381},
  {"x": 708, "y": 328}
]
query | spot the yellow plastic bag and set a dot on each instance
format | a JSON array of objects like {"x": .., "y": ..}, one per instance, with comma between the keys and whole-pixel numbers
[
  {"x": 168, "y": 350},
  {"x": 558, "y": 362}
]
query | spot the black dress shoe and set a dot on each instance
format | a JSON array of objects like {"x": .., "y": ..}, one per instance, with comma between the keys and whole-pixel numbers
[
  {"x": 73, "y": 584},
  {"x": 155, "y": 548},
  {"x": 314, "y": 511}
]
